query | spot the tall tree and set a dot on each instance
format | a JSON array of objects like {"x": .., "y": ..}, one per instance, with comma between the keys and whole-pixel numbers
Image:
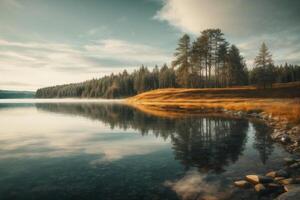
[
  {"x": 264, "y": 67},
  {"x": 238, "y": 74},
  {"x": 182, "y": 60}
]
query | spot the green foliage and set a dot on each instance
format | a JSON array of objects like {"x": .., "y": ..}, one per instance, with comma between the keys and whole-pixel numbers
[
  {"x": 114, "y": 86},
  {"x": 209, "y": 61},
  {"x": 264, "y": 72}
]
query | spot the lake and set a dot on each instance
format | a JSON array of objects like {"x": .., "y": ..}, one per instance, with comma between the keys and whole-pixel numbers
[{"x": 106, "y": 151}]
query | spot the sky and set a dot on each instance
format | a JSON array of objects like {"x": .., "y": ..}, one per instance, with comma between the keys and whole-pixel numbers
[{"x": 50, "y": 42}]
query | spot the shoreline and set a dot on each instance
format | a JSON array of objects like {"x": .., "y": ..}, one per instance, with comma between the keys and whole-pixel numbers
[{"x": 285, "y": 132}]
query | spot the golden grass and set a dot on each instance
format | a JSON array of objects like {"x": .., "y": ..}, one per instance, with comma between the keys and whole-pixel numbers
[{"x": 282, "y": 102}]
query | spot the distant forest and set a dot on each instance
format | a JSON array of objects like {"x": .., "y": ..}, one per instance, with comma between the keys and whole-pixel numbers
[{"x": 208, "y": 62}]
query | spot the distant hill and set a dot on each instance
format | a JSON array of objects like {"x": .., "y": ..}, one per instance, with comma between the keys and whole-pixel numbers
[{"x": 9, "y": 94}]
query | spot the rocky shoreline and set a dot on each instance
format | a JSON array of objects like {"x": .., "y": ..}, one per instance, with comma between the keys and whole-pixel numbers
[
  {"x": 283, "y": 132},
  {"x": 283, "y": 184}
]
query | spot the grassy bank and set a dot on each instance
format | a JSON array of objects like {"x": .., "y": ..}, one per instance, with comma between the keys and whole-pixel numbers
[{"x": 281, "y": 102}]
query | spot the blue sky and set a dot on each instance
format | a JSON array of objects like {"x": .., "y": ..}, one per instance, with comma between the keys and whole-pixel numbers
[{"x": 49, "y": 42}]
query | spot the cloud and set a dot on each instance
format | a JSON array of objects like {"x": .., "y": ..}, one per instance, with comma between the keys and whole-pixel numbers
[
  {"x": 127, "y": 52},
  {"x": 237, "y": 17},
  {"x": 64, "y": 63},
  {"x": 11, "y": 3},
  {"x": 245, "y": 23},
  {"x": 194, "y": 186},
  {"x": 25, "y": 139}
]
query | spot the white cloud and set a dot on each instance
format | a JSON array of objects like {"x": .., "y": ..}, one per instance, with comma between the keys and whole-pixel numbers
[
  {"x": 193, "y": 16},
  {"x": 31, "y": 62},
  {"x": 246, "y": 23},
  {"x": 125, "y": 51},
  {"x": 194, "y": 186},
  {"x": 51, "y": 134}
]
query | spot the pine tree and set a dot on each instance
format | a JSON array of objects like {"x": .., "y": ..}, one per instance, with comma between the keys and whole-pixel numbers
[
  {"x": 264, "y": 72},
  {"x": 182, "y": 60}
]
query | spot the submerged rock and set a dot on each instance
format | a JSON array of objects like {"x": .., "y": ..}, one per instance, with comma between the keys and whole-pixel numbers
[
  {"x": 289, "y": 161},
  {"x": 295, "y": 165}
]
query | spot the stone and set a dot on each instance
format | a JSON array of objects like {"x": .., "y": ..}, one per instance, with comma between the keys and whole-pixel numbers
[
  {"x": 282, "y": 173},
  {"x": 242, "y": 184},
  {"x": 271, "y": 174},
  {"x": 289, "y": 161},
  {"x": 286, "y": 181},
  {"x": 265, "y": 179},
  {"x": 292, "y": 194},
  {"x": 260, "y": 188},
  {"x": 295, "y": 165},
  {"x": 296, "y": 180},
  {"x": 275, "y": 188},
  {"x": 255, "y": 179},
  {"x": 277, "y": 179},
  {"x": 285, "y": 139}
]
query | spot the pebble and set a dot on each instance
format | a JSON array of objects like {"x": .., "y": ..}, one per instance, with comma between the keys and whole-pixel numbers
[{"x": 242, "y": 184}]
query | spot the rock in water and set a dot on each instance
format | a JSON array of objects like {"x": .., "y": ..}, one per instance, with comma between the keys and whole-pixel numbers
[
  {"x": 295, "y": 165},
  {"x": 278, "y": 178},
  {"x": 265, "y": 179},
  {"x": 289, "y": 161},
  {"x": 260, "y": 188},
  {"x": 242, "y": 184},
  {"x": 271, "y": 174},
  {"x": 285, "y": 139},
  {"x": 282, "y": 173},
  {"x": 292, "y": 194},
  {"x": 254, "y": 179},
  {"x": 276, "y": 188},
  {"x": 286, "y": 181}
]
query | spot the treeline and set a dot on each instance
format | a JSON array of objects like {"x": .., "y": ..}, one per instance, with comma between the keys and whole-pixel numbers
[
  {"x": 115, "y": 85},
  {"x": 208, "y": 61}
]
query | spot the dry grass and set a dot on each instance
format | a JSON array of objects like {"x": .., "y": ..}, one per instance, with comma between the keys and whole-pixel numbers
[{"x": 282, "y": 101}]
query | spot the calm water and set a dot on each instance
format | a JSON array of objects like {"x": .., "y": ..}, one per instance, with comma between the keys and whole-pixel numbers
[{"x": 108, "y": 151}]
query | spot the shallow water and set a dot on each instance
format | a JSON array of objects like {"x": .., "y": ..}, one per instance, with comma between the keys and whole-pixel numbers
[{"x": 110, "y": 151}]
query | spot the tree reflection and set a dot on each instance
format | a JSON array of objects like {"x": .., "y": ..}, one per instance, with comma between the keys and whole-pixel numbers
[
  {"x": 207, "y": 143},
  {"x": 263, "y": 142}
]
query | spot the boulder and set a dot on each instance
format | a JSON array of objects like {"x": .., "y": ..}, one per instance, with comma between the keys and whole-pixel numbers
[{"x": 242, "y": 184}]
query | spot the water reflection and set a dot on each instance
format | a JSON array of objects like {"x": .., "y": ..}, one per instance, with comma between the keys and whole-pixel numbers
[
  {"x": 111, "y": 151},
  {"x": 207, "y": 143}
]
